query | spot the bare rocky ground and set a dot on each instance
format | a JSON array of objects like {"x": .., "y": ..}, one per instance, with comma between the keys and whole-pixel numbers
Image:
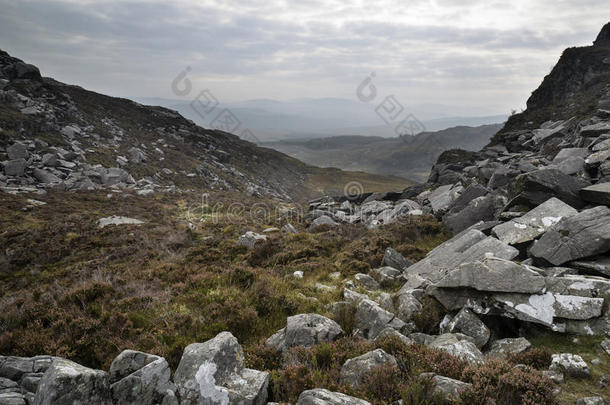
[{"x": 488, "y": 284}]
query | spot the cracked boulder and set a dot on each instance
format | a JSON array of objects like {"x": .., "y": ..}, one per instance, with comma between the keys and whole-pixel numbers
[
  {"x": 582, "y": 235},
  {"x": 534, "y": 223},
  {"x": 371, "y": 319},
  {"x": 214, "y": 372},
  {"x": 305, "y": 330},
  {"x": 469, "y": 324},
  {"x": 356, "y": 370},
  {"x": 320, "y": 396},
  {"x": 66, "y": 382}
]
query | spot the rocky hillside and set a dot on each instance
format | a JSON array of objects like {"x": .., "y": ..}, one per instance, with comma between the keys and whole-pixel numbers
[
  {"x": 54, "y": 135},
  {"x": 489, "y": 284},
  {"x": 408, "y": 156}
]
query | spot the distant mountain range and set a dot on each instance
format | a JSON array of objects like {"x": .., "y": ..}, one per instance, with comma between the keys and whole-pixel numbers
[
  {"x": 406, "y": 156},
  {"x": 272, "y": 120}
]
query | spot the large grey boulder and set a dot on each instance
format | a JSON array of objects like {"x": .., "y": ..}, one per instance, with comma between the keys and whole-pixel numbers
[
  {"x": 321, "y": 396},
  {"x": 469, "y": 324},
  {"x": 570, "y": 364},
  {"x": 494, "y": 274},
  {"x": 136, "y": 155},
  {"x": 17, "y": 151},
  {"x": 534, "y": 188},
  {"x": 597, "y": 265},
  {"x": 393, "y": 258},
  {"x": 15, "y": 168},
  {"x": 323, "y": 220},
  {"x": 128, "y": 362},
  {"x": 597, "y": 400},
  {"x": 250, "y": 239},
  {"x": 534, "y": 223},
  {"x": 458, "y": 345},
  {"x": 148, "y": 385},
  {"x": 367, "y": 282},
  {"x": 67, "y": 383},
  {"x": 12, "y": 398},
  {"x": 582, "y": 235},
  {"x": 407, "y": 305},
  {"x": 356, "y": 370},
  {"x": 442, "y": 197},
  {"x": 501, "y": 348},
  {"x": 446, "y": 387},
  {"x": 45, "y": 176},
  {"x": 467, "y": 246},
  {"x": 370, "y": 319},
  {"x": 305, "y": 330},
  {"x": 214, "y": 372},
  {"x": 478, "y": 209},
  {"x": 115, "y": 175}
]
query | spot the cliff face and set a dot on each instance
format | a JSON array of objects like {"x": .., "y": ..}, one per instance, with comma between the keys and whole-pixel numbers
[{"x": 573, "y": 88}]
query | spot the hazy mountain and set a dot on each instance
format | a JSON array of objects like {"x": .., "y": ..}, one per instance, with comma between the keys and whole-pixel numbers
[
  {"x": 406, "y": 156},
  {"x": 271, "y": 120}
]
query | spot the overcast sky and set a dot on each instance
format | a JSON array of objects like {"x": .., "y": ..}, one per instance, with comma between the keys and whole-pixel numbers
[{"x": 486, "y": 55}]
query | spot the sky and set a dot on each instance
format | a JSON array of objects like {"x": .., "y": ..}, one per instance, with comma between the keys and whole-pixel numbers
[{"x": 483, "y": 56}]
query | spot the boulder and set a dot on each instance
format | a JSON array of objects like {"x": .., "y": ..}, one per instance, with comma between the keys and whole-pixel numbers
[
  {"x": 408, "y": 305},
  {"x": 394, "y": 334},
  {"x": 478, "y": 209},
  {"x": 459, "y": 346},
  {"x": 442, "y": 197},
  {"x": 597, "y": 265},
  {"x": 605, "y": 344},
  {"x": 66, "y": 382},
  {"x": 501, "y": 348},
  {"x": 49, "y": 160},
  {"x": 136, "y": 155},
  {"x": 214, "y": 372},
  {"x": 323, "y": 220},
  {"x": 494, "y": 274},
  {"x": 116, "y": 220},
  {"x": 371, "y": 319},
  {"x": 533, "y": 188},
  {"x": 128, "y": 362},
  {"x": 534, "y": 223},
  {"x": 567, "y": 153},
  {"x": 582, "y": 235},
  {"x": 305, "y": 330},
  {"x": 469, "y": 324},
  {"x": 393, "y": 258},
  {"x": 597, "y": 400},
  {"x": 446, "y": 387},
  {"x": 15, "y": 168},
  {"x": 319, "y": 396},
  {"x": 467, "y": 246},
  {"x": 356, "y": 370},
  {"x": 570, "y": 364},
  {"x": 12, "y": 398},
  {"x": 598, "y": 193},
  {"x": 147, "y": 385},
  {"x": 22, "y": 70},
  {"x": 250, "y": 239},
  {"x": 387, "y": 275},
  {"x": 45, "y": 176},
  {"x": 367, "y": 282},
  {"x": 17, "y": 151}
]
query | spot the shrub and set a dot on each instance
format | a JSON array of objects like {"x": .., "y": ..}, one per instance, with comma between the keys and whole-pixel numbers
[
  {"x": 524, "y": 386},
  {"x": 262, "y": 357},
  {"x": 383, "y": 383},
  {"x": 287, "y": 384},
  {"x": 429, "y": 318},
  {"x": 538, "y": 358},
  {"x": 501, "y": 383}
]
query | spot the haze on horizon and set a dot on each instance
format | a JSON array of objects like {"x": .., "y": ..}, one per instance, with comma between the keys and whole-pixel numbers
[{"x": 484, "y": 57}]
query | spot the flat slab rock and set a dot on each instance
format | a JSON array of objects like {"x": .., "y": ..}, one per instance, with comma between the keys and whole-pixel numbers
[
  {"x": 494, "y": 274},
  {"x": 321, "y": 396},
  {"x": 582, "y": 235},
  {"x": 598, "y": 193},
  {"x": 117, "y": 220},
  {"x": 534, "y": 223},
  {"x": 502, "y": 347},
  {"x": 467, "y": 246}
]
